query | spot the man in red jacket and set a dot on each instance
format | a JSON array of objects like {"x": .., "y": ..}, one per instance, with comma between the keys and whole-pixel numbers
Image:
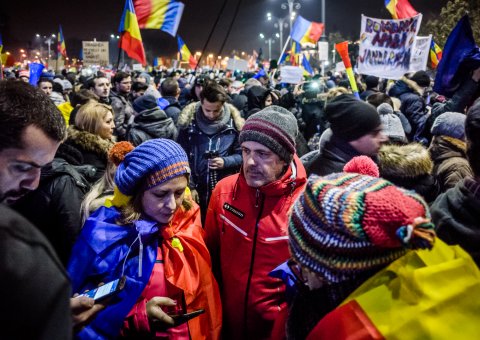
[{"x": 246, "y": 224}]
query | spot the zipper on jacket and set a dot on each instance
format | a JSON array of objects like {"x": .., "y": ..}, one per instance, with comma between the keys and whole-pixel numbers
[{"x": 250, "y": 272}]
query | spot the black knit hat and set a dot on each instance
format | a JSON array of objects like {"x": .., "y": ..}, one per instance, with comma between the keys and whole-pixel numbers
[
  {"x": 274, "y": 127},
  {"x": 421, "y": 78},
  {"x": 351, "y": 118},
  {"x": 145, "y": 102}
]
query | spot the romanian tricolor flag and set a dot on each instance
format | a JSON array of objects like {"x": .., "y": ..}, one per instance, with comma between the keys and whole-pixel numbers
[
  {"x": 185, "y": 54},
  {"x": 1, "y": 44},
  {"x": 131, "y": 40},
  {"x": 61, "y": 48},
  {"x": 304, "y": 31},
  {"x": 435, "y": 54},
  {"x": 400, "y": 9},
  {"x": 306, "y": 65},
  {"x": 159, "y": 14}
]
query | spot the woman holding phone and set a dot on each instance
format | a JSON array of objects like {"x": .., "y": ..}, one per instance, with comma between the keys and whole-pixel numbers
[{"x": 150, "y": 233}]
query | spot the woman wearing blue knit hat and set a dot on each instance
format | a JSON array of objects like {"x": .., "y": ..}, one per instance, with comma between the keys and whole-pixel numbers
[{"x": 150, "y": 233}]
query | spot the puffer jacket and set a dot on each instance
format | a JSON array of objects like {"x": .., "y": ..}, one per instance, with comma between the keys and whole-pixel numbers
[
  {"x": 54, "y": 207},
  {"x": 408, "y": 166},
  {"x": 150, "y": 124},
  {"x": 413, "y": 107},
  {"x": 450, "y": 164},
  {"x": 246, "y": 233},
  {"x": 196, "y": 143},
  {"x": 123, "y": 111}
]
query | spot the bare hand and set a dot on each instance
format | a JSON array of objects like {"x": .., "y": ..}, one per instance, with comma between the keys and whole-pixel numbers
[
  {"x": 83, "y": 310},
  {"x": 156, "y": 314},
  {"x": 216, "y": 163},
  {"x": 476, "y": 75}
]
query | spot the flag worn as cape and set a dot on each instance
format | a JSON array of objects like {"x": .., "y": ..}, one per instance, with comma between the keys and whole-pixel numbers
[
  {"x": 185, "y": 54},
  {"x": 159, "y": 14},
  {"x": 61, "y": 48},
  {"x": 460, "y": 56},
  {"x": 304, "y": 31},
  {"x": 400, "y": 9},
  {"x": 131, "y": 40}
]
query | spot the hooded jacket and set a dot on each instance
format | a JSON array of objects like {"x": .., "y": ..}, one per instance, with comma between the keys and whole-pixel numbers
[
  {"x": 456, "y": 215},
  {"x": 413, "y": 107},
  {"x": 246, "y": 233},
  {"x": 408, "y": 166},
  {"x": 150, "y": 124},
  {"x": 105, "y": 251},
  {"x": 196, "y": 143},
  {"x": 93, "y": 148},
  {"x": 173, "y": 108},
  {"x": 450, "y": 164}
]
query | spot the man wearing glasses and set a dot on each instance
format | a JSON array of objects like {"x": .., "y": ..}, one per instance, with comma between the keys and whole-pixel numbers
[{"x": 122, "y": 107}]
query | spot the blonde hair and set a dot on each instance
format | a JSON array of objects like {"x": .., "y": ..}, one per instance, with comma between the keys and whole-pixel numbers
[{"x": 91, "y": 115}]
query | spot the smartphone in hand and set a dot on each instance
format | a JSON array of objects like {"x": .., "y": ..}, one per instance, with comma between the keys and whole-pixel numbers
[
  {"x": 180, "y": 319},
  {"x": 107, "y": 290}
]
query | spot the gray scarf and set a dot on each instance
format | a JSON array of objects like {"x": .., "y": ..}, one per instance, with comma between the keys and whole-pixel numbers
[{"x": 212, "y": 127}]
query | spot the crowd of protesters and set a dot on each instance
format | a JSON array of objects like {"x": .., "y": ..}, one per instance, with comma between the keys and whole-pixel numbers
[{"x": 265, "y": 206}]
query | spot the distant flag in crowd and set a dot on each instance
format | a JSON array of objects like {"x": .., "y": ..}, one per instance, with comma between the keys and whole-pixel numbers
[
  {"x": 295, "y": 53},
  {"x": 304, "y": 31},
  {"x": 1, "y": 58},
  {"x": 261, "y": 73},
  {"x": 435, "y": 54},
  {"x": 185, "y": 54},
  {"x": 306, "y": 65},
  {"x": 460, "y": 56},
  {"x": 283, "y": 58},
  {"x": 61, "y": 48},
  {"x": 36, "y": 70},
  {"x": 1, "y": 44},
  {"x": 400, "y": 9},
  {"x": 131, "y": 40},
  {"x": 159, "y": 14}
]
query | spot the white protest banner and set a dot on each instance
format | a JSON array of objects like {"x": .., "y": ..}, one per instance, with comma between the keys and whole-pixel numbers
[
  {"x": 323, "y": 51},
  {"x": 95, "y": 53},
  {"x": 138, "y": 67},
  {"x": 237, "y": 64},
  {"x": 386, "y": 46},
  {"x": 291, "y": 74},
  {"x": 421, "y": 53}
]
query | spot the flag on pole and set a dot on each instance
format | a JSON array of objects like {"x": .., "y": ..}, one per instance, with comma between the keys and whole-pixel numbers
[
  {"x": 185, "y": 54},
  {"x": 295, "y": 53},
  {"x": 435, "y": 54},
  {"x": 131, "y": 40},
  {"x": 1, "y": 59},
  {"x": 400, "y": 9},
  {"x": 61, "y": 48},
  {"x": 1, "y": 44},
  {"x": 460, "y": 56},
  {"x": 159, "y": 14},
  {"x": 304, "y": 31},
  {"x": 306, "y": 65}
]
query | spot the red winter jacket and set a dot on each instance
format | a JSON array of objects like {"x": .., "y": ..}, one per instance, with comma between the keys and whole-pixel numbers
[{"x": 246, "y": 233}]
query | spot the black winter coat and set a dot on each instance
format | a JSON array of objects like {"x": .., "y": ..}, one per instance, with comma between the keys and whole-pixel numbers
[
  {"x": 173, "y": 109},
  {"x": 456, "y": 215},
  {"x": 34, "y": 289},
  {"x": 54, "y": 207},
  {"x": 150, "y": 124}
]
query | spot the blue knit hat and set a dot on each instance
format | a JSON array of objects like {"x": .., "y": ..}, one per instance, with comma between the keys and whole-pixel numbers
[
  {"x": 451, "y": 124},
  {"x": 157, "y": 160}
]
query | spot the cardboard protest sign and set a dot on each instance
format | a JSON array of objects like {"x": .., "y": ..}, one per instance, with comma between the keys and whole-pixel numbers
[
  {"x": 421, "y": 53},
  {"x": 291, "y": 74}
]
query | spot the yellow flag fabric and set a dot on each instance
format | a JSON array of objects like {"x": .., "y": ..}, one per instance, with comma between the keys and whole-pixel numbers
[{"x": 425, "y": 295}]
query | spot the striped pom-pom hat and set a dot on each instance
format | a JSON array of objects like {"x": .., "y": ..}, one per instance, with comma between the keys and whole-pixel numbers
[
  {"x": 156, "y": 161},
  {"x": 345, "y": 225},
  {"x": 274, "y": 127}
]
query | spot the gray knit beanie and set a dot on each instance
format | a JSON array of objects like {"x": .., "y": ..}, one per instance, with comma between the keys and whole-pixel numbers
[
  {"x": 274, "y": 127},
  {"x": 451, "y": 124},
  {"x": 392, "y": 125}
]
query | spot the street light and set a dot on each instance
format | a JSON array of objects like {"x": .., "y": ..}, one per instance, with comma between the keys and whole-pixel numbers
[
  {"x": 291, "y": 5},
  {"x": 279, "y": 23},
  {"x": 268, "y": 41}
]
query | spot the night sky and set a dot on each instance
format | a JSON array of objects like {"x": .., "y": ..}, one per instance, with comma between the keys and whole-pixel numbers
[{"x": 88, "y": 19}]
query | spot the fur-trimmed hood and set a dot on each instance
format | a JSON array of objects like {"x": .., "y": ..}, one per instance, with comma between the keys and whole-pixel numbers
[
  {"x": 405, "y": 85},
  {"x": 404, "y": 161},
  {"x": 188, "y": 113},
  {"x": 89, "y": 142}
]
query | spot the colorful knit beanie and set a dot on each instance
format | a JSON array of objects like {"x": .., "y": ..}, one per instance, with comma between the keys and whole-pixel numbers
[
  {"x": 274, "y": 127},
  {"x": 157, "y": 160},
  {"x": 345, "y": 225}
]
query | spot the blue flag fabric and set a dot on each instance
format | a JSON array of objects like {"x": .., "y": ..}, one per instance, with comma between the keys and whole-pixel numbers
[
  {"x": 460, "y": 56},
  {"x": 283, "y": 58},
  {"x": 306, "y": 65},
  {"x": 35, "y": 72},
  {"x": 260, "y": 73}
]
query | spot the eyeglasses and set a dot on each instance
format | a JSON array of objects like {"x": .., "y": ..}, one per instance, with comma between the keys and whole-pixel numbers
[{"x": 296, "y": 270}]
